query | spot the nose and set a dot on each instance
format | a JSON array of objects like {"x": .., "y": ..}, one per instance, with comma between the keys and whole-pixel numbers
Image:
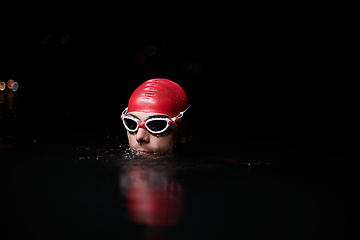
[{"x": 142, "y": 136}]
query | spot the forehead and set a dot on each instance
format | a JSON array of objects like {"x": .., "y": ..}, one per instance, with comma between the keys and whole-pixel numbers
[{"x": 144, "y": 116}]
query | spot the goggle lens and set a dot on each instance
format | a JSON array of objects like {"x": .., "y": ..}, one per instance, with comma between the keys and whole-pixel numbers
[
  {"x": 157, "y": 125},
  {"x": 131, "y": 124}
]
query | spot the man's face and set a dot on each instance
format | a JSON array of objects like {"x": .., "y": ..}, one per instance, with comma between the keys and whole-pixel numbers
[{"x": 143, "y": 142}]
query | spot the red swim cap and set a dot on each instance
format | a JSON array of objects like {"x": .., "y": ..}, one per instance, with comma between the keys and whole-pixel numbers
[{"x": 159, "y": 95}]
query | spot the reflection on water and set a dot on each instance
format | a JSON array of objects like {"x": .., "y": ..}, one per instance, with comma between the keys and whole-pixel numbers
[
  {"x": 8, "y": 100},
  {"x": 154, "y": 196},
  {"x": 8, "y": 114},
  {"x": 100, "y": 193}
]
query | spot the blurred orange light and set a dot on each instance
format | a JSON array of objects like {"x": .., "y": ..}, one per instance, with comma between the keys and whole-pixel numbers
[
  {"x": 185, "y": 66},
  {"x": 46, "y": 39},
  {"x": 2, "y": 86},
  {"x": 10, "y": 83},
  {"x": 196, "y": 67},
  {"x": 65, "y": 39},
  {"x": 150, "y": 50}
]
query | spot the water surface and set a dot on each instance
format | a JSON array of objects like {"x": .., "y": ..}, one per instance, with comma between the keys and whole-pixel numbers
[{"x": 69, "y": 192}]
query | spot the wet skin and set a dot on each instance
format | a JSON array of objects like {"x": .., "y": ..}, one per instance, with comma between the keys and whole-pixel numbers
[{"x": 144, "y": 142}]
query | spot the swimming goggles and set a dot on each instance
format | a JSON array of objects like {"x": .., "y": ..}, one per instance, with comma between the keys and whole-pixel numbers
[{"x": 154, "y": 125}]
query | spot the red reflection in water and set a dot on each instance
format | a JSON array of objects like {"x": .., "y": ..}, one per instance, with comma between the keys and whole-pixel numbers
[{"x": 153, "y": 198}]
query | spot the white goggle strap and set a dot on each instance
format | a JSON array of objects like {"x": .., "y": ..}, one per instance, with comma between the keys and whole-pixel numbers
[
  {"x": 178, "y": 117},
  {"x": 124, "y": 113},
  {"x": 182, "y": 113}
]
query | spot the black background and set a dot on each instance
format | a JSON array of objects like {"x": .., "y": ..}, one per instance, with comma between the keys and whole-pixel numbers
[
  {"x": 279, "y": 81},
  {"x": 284, "y": 77}
]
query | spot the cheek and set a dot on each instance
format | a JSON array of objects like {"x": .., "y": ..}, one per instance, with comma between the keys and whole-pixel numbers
[
  {"x": 166, "y": 142},
  {"x": 131, "y": 139}
]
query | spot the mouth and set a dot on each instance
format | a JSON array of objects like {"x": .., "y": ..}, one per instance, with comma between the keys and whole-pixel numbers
[{"x": 143, "y": 152}]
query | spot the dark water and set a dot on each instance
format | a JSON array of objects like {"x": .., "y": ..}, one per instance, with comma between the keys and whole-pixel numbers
[
  {"x": 89, "y": 192},
  {"x": 260, "y": 163},
  {"x": 66, "y": 176}
]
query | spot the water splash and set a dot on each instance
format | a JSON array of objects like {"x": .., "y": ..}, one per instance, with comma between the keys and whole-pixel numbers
[{"x": 121, "y": 156}]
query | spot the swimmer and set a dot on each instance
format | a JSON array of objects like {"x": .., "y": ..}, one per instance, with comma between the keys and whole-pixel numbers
[{"x": 154, "y": 117}]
